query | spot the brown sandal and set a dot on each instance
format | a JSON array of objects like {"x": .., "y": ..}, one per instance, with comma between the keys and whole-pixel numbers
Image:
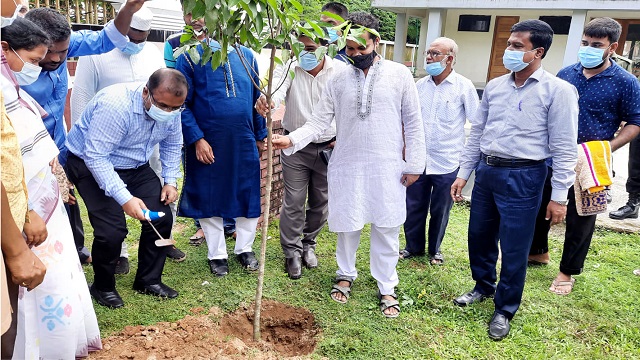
[{"x": 556, "y": 285}]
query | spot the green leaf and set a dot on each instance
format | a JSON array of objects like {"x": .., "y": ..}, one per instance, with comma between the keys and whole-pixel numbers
[
  {"x": 194, "y": 55},
  {"x": 332, "y": 50},
  {"x": 206, "y": 55},
  {"x": 334, "y": 16},
  {"x": 186, "y": 37},
  {"x": 285, "y": 55},
  {"x": 318, "y": 30},
  {"x": 199, "y": 10},
  {"x": 297, "y": 5},
  {"x": 292, "y": 74},
  {"x": 259, "y": 24},
  {"x": 211, "y": 4},
  {"x": 247, "y": 9},
  {"x": 320, "y": 51},
  {"x": 277, "y": 61}
]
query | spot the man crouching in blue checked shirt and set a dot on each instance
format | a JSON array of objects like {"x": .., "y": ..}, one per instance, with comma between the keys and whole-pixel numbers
[
  {"x": 525, "y": 117},
  {"x": 108, "y": 161}
]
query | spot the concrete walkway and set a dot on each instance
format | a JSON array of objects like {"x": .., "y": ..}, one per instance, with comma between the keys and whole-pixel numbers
[{"x": 619, "y": 195}]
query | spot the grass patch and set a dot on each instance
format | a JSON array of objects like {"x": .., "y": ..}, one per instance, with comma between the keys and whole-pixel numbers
[{"x": 600, "y": 319}]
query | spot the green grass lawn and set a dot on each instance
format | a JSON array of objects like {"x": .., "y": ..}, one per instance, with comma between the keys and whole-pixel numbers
[{"x": 600, "y": 319}]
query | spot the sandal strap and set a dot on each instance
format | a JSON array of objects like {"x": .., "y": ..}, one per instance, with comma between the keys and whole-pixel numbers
[
  {"x": 394, "y": 295},
  {"x": 386, "y": 304},
  {"x": 344, "y": 290},
  {"x": 344, "y": 278}
]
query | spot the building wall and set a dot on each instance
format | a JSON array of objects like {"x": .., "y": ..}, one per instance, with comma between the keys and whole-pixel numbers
[{"x": 475, "y": 47}]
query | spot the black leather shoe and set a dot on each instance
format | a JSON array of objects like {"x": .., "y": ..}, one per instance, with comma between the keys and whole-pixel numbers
[
  {"x": 404, "y": 254},
  {"x": 248, "y": 260},
  {"x": 471, "y": 297},
  {"x": 629, "y": 211},
  {"x": 122, "y": 266},
  {"x": 109, "y": 299},
  {"x": 219, "y": 267},
  {"x": 293, "y": 267},
  {"x": 499, "y": 327},
  {"x": 309, "y": 258},
  {"x": 159, "y": 289}
]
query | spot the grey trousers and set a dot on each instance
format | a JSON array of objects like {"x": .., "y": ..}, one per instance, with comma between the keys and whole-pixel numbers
[{"x": 301, "y": 219}]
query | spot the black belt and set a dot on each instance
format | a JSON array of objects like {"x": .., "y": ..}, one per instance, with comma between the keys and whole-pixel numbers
[
  {"x": 287, "y": 132},
  {"x": 504, "y": 162},
  {"x": 76, "y": 157}
]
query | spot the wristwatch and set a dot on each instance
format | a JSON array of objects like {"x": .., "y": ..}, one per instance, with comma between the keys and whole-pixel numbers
[
  {"x": 172, "y": 184},
  {"x": 561, "y": 202}
]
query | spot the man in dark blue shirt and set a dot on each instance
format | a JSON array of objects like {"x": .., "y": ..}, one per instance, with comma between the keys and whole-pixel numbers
[{"x": 608, "y": 96}]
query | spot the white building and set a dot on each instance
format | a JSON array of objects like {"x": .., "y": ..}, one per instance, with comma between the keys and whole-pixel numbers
[{"x": 481, "y": 29}]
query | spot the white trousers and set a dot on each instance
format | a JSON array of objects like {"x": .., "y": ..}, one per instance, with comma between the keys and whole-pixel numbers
[
  {"x": 214, "y": 235},
  {"x": 383, "y": 256}
]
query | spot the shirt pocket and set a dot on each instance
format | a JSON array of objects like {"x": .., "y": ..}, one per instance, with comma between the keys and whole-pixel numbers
[
  {"x": 531, "y": 116},
  {"x": 448, "y": 111}
]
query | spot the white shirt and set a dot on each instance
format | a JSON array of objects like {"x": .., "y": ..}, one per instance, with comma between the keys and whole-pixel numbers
[
  {"x": 367, "y": 163},
  {"x": 303, "y": 92},
  {"x": 96, "y": 72},
  {"x": 445, "y": 110}
]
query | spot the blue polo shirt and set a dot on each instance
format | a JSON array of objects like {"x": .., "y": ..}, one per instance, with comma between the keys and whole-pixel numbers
[{"x": 606, "y": 100}]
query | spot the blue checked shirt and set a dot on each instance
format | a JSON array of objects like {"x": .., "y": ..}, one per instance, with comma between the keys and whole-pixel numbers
[
  {"x": 115, "y": 133},
  {"x": 50, "y": 90}
]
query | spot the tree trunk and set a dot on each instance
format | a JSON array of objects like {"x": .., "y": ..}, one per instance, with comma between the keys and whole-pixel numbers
[{"x": 267, "y": 207}]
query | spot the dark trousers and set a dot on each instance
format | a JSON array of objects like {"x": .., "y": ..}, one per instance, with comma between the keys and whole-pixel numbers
[
  {"x": 540, "y": 244},
  {"x": 9, "y": 337},
  {"x": 577, "y": 238},
  {"x": 504, "y": 204},
  {"x": 110, "y": 226},
  {"x": 304, "y": 204},
  {"x": 633, "y": 181},
  {"x": 76, "y": 223},
  {"x": 429, "y": 194}
]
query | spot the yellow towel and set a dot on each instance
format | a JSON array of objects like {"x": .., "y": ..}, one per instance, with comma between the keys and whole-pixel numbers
[{"x": 593, "y": 171}]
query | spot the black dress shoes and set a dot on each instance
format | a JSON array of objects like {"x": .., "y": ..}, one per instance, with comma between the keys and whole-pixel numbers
[
  {"x": 293, "y": 266},
  {"x": 159, "y": 290},
  {"x": 109, "y": 299},
  {"x": 248, "y": 260},
  {"x": 471, "y": 297},
  {"x": 404, "y": 254},
  {"x": 219, "y": 267},
  {"x": 499, "y": 327},
  {"x": 309, "y": 258}
]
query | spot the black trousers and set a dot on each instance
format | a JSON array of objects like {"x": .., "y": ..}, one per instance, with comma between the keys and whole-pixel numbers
[
  {"x": 633, "y": 181},
  {"x": 540, "y": 244},
  {"x": 110, "y": 226},
  {"x": 577, "y": 238},
  {"x": 76, "y": 223}
]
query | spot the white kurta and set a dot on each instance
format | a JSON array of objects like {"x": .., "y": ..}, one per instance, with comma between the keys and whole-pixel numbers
[
  {"x": 96, "y": 72},
  {"x": 367, "y": 163}
]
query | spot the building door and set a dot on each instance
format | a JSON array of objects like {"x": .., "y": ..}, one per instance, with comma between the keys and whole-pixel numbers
[
  {"x": 501, "y": 33},
  {"x": 629, "y": 45}
]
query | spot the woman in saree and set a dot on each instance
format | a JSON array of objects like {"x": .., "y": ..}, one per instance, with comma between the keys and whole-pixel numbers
[{"x": 56, "y": 320}]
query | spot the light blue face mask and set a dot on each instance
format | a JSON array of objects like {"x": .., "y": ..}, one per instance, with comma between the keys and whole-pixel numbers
[
  {"x": 160, "y": 115},
  {"x": 513, "y": 60},
  {"x": 435, "y": 68},
  {"x": 29, "y": 73},
  {"x": 591, "y": 57},
  {"x": 307, "y": 61},
  {"x": 333, "y": 35},
  {"x": 132, "y": 48}
]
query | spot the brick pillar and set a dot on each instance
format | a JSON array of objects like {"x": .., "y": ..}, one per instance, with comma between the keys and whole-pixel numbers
[{"x": 277, "y": 188}]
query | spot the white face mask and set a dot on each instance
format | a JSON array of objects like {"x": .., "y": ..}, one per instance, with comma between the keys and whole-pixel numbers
[
  {"x": 29, "y": 73},
  {"x": 9, "y": 21}
]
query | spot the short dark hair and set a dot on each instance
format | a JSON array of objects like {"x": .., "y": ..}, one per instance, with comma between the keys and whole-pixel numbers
[
  {"x": 171, "y": 80},
  {"x": 336, "y": 8},
  {"x": 603, "y": 27},
  {"x": 52, "y": 22},
  {"x": 365, "y": 19},
  {"x": 540, "y": 33},
  {"x": 24, "y": 34}
]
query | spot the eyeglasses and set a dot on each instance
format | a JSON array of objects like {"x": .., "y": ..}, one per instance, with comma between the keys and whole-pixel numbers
[
  {"x": 434, "y": 54},
  {"x": 164, "y": 107}
]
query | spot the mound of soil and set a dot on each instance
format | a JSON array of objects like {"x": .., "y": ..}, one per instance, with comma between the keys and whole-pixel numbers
[{"x": 286, "y": 332}]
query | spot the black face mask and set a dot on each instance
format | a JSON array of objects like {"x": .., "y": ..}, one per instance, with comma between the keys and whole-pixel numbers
[{"x": 363, "y": 61}]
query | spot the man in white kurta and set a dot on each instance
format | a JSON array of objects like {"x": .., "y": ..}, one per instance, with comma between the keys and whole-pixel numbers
[
  {"x": 372, "y": 100},
  {"x": 135, "y": 63}
]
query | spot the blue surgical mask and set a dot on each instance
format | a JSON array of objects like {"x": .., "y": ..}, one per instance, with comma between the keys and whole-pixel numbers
[
  {"x": 590, "y": 57},
  {"x": 333, "y": 35},
  {"x": 132, "y": 48},
  {"x": 435, "y": 68},
  {"x": 29, "y": 73},
  {"x": 513, "y": 60},
  {"x": 307, "y": 61},
  {"x": 160, "y": 115}
]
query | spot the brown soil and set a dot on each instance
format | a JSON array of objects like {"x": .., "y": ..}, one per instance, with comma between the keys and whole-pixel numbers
[{"x": 286, "y": 332}]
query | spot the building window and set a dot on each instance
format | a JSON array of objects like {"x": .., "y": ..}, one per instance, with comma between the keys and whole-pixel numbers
[
  {"x": 479, "y": 23},
  {"x": 559, "y": 24}
]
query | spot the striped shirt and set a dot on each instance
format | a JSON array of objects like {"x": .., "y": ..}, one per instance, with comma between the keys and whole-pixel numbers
[{"x": 115, "y": 133}]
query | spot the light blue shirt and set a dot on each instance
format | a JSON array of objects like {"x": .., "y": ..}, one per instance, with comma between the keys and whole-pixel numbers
[
  {"x": 115, "y": 133},
  {"x": 50, "y": 90}
]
